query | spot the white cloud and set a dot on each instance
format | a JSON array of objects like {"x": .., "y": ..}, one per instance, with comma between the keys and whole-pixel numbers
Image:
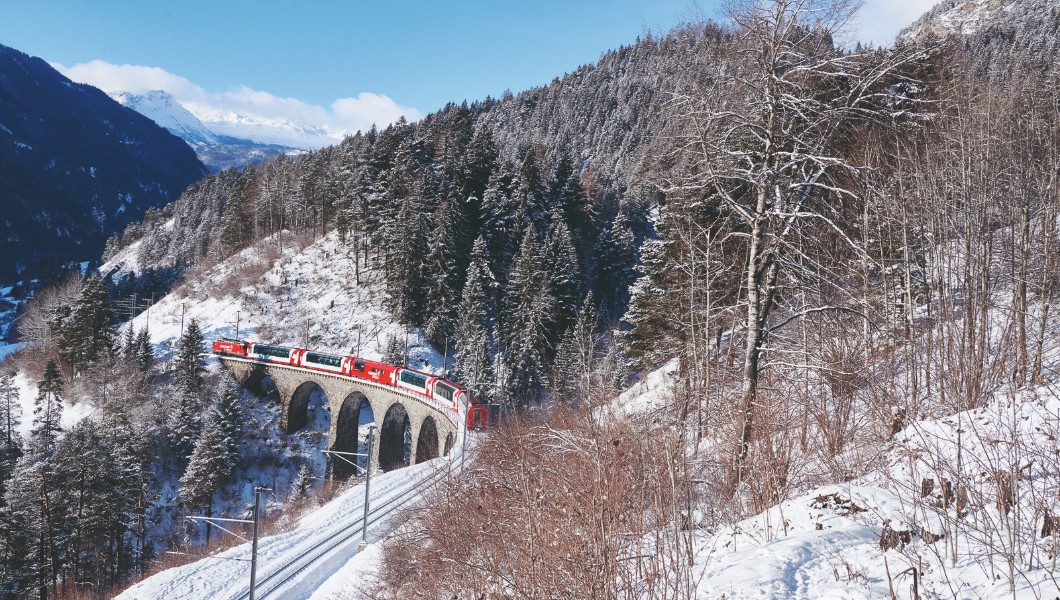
[
  {"x": 246, "y": 112},
  {"x": 881, "y": 20}
]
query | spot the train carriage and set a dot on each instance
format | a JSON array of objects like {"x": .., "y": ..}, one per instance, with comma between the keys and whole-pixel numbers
[
  {"x": 275, "y": 354},
  {"x": 374, "y": 371},
  {"x": 325, "y": 362},
  {"x": 444, "y": 392}
]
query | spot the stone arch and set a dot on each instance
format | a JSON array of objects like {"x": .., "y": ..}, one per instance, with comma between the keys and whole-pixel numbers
[
  {"x": 308, "y": 393},
  {"x": 395, "y": 436},
  {"x": 448, "y": 444},
  {"x": 427, "y": 441},
  {"x": 351, "y": 433}
]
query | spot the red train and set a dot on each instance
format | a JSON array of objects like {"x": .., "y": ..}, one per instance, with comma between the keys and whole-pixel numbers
[{"x": 442, "y": 392}]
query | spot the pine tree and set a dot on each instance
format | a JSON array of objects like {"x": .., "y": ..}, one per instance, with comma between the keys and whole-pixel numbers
[
  {"x": 229, "y": 414},
  {"x": 185, "y": 423},
  {"x": 48, "y": 404},
  {"x": 10, "y": 409},
  {"x": 577, "y": 353},
  {"x": 35, "y": 520},
  {"x": 615, "y": 269},
  {"x": 189, "y": 364},
  {"x": 526, "y": 324},
  {"x": 447, "y": 261},
  {"x": 472, "y": 363},
  {"x": 135, "y": 489},
  {"x": 531, "y": 194},
  {"x": 394, "y": 351},
  {"x": 145, "y": 352},
  {"x": 88, "y": 331},
  {"x": 561, "y": 264},
  {"x": 128, "y": 343},
  {"x": 209, "y": 469},
  {"x": 500, "y": 227},
  {"x": 479, "y": 165},
  {"x": 95, "y": 498},
  {"x": 304, "y": 484}
]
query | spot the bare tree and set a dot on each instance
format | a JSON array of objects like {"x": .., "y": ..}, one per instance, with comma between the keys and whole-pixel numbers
[{"x": 768, "y": 128}]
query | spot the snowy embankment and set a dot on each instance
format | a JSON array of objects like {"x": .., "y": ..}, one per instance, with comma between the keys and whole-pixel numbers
[
  {"x": 227, "y": 574},
  {"x": 961, "y": 506},
  {"x": 281, "y": 291}
]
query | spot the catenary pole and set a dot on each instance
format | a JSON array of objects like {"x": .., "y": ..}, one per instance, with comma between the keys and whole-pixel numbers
[{"x": 367, "y": 486}]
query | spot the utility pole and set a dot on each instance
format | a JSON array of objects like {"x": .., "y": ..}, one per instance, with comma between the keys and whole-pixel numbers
[
  {"x": 236, "y": 322},
  {"x": 307, "y": 333},
  {"x": 254, "y": 544},
  {"x": 181, "y": 319},
  {"x": 367, "y": 486},
  {"x": 216, "y": 522}
]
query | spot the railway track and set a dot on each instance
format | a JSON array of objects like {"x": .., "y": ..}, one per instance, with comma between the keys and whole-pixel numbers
[{"x": 348, "y": 532}]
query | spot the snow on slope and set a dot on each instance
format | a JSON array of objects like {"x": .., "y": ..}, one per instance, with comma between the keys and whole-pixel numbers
[
  {"x": 278, "y": 292},
  {"x": 826, "y": 543},
  {"x": 163, "y": 109},
  {"x": 216, "y": 578}
]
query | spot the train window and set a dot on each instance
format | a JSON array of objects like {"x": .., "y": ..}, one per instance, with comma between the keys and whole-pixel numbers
[
  {"x": 358, "y": 366},
  {"x": 323, "y": 359},
  {"x": 272, "y": 351},
  {"x": 443, "y": 390},
  {"x": 413, "y": 379}
]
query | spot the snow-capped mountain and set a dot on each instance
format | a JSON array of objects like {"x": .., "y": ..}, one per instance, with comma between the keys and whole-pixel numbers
[
  {"x": 277, "y": 131},
  {"x": 215, "y": 147},
  {"x": 1002, "y": 37},
  {"x": 162, "y": 108},
  {"x": 75, "y": 166}
]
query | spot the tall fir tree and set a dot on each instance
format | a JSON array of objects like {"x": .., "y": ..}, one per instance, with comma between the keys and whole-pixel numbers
[
  {"x": 473, "y": 364},
  {"x": 394, "y": 350},
  {"x": 526, "y": 324},
  {"x": 10, "y": 409},
  {"x": 189, "y": 364},
  {"x": 210, "y": 467},
  {"x": 576, "y": 355},
  {"x": 564, "y": 276},
  {"x": 616, "y": 264},
  {"x": 48, "y": 405},
  {"x": 88, "y": 331},
  {"x": 446, "y": 263},
  {"x": 500, "y": 226},
  {"x": 144, "y": 351},
  {"x": 229, "y": 413},
  {"x": 531, "y": 193}
]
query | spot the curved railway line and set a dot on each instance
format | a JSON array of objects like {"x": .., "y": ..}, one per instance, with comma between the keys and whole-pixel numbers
[{"x": 348, "y": 532}]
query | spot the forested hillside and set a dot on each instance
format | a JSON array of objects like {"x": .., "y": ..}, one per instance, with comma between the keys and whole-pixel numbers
[
  {"x": 845, "y": 258},
  {"x": 75, "y": 167},
  {"x": 555, "y": 182}
]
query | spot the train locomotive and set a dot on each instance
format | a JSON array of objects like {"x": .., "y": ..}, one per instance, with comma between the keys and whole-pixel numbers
[{"x": 439, "y": 391}]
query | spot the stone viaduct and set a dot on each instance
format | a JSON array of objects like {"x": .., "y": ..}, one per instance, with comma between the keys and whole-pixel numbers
[{"x": 409, "y": 428}]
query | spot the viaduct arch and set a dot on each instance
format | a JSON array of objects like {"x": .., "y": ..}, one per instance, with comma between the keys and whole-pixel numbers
[{"x": 408, "y": 430}]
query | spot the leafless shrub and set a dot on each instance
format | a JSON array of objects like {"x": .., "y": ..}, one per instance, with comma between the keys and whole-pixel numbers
[{"x": 568, "y": 508}]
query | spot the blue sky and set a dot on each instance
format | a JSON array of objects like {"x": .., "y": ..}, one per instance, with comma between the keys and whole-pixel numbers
[{"x": 372, "y": 59}]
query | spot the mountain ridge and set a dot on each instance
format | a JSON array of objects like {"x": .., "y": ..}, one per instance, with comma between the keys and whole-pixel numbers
[
  {"x": 75, "y": 166},
  {"x": 216, "y": 150}
]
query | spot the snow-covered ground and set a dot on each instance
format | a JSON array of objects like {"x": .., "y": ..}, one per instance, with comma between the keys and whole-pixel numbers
[
  {"x": 284, "y": 297},
  {"x": 220, "y": 577}
]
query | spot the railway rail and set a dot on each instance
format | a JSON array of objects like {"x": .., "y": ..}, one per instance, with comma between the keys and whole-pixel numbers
[{"x": 348, "y": 532}]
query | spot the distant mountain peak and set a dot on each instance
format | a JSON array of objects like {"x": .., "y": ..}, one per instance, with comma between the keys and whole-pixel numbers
[
  {"x": 1002, "y": 38},
  {"x": 162, "y": 108},
  {"x": 75, "y": 166},
  {"x": 970, "y": 17},
  {"x": 217, "y": 149}
]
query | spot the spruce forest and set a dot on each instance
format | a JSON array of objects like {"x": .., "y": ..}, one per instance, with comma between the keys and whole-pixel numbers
[{"x": 841, "y": 259}]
